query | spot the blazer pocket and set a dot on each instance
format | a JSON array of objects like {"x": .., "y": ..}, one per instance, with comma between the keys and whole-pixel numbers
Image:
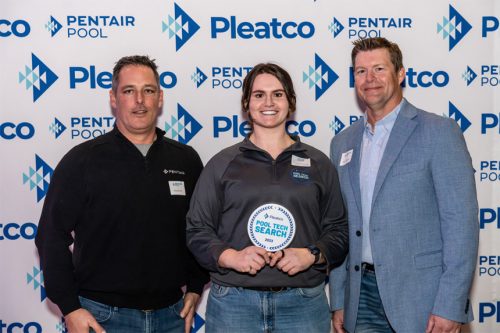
[
  {"x": 429, "y": 259},
  {"x": 398, "y": 170}
]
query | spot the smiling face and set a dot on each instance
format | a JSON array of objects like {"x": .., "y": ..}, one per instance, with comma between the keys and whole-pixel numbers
[
  {"x": 137, "y": 101},
  {"x": 377, "y": 82},
  {"x": 268, "y": 105}
]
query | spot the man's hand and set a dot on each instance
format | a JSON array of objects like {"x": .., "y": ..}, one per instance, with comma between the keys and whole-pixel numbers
[
  {"x": 295, "y": 260},
  {"x": 188, "y": 310},
  {"x": 80, "y": 321},
  {"x": 338, "y": 321},
  {"x": 249, "y": 260},
  {"x": 438, "y": 324}
]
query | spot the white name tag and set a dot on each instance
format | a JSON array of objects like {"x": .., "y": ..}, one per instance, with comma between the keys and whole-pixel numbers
[
  {"x": 346, "y": 157},
  {"x": 177, "y": 187},
  {"x": 299, "y": 161}
]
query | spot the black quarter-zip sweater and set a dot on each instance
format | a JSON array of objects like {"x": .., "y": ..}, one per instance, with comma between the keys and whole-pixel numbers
[{"x": 127, "y": 214}]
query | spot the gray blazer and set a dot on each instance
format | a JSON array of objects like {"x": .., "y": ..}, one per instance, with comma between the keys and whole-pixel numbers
[{"x": 423, "y": 226}]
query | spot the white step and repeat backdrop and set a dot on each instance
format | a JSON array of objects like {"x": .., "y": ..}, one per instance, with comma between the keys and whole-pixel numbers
[{"x": 56, "y": 59}]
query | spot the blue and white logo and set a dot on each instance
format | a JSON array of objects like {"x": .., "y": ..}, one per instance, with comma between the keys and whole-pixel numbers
[
  {"x": 459, "y": 117},
  {"x": 61, "y": 326},
  {"x": 37, "y": 279},
  {"x": 364, "y": 26},
  {"x": 90, "y": 26},
  {"x": 16, "y": 327},
  {"x": 183, "y": 127},
  {"x": 90, "y": 127},
  {"x": 336, "y": 125},
  {"x": 271, "y": 226},
  {"x": 489, "y": 265},
  {"x": 229, "y": 77},
  {"x": 13, "y": 231},
  {"x": 490, "y": 75},
  {"x": 57, "y": 128},
  {"x": 335, "y": 27},
  {"x": 198, "y": 322},
  {"x": 182, "y": 26},
  {"x": 489, "y": 171},
  {"x": 18, "y": 28},
  {"x": 489, "y": 311},
  {"x": 320, "y": 76},
  {"x": 53, "y": 26},
  {"x": 39, "y": 177},
  {"x": 469, "y": 75},
  {"x": 489, "y": 217},
  {"x": 198, "y": 77},
  {"x": 272, "y": 29},
  {"x": 22, "y": 130},
  {"x": 38, "y": 76},
  {"x": 490, "y": 122},
  {"x": 455, "y": 27}
]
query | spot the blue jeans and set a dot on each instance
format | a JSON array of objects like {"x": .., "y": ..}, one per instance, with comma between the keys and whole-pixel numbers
[
  {"x": 371, "y": 315},
  {"x": 235, "y": 309},
  {"x": 124, "y": 320}
]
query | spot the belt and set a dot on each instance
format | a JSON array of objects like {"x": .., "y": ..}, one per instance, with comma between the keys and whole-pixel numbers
[
  {"x": 268, "y": 289},
  {"x": 368, "y": 267}
]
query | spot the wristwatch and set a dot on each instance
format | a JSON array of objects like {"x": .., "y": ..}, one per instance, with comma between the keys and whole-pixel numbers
[{"x": 315, "y": 252}]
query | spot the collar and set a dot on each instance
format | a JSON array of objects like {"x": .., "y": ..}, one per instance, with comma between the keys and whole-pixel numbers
[{"x": 386, "y": 123}]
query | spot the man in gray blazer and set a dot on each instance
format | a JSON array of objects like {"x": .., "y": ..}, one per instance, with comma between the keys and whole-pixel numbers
[{"x": 408, "y": 183}]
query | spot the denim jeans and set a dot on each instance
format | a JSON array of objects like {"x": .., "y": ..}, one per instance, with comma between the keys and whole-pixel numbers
[
  {"x": 124, "y": 320},
  {"x": 235, "y": 309},
  {"x": 371, "y": 315}
]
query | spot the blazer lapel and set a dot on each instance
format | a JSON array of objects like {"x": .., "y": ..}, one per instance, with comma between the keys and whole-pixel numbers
[
  {"x": 402, "y": 130},
  {"x": 354, "y": 165}
]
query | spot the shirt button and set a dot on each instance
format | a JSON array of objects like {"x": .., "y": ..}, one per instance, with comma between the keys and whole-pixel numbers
[
  {"x": 358, "y": 233},
  {"x": 356, "y": 268}
]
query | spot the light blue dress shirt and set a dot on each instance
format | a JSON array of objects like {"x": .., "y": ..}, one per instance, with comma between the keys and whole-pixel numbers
[{"x": 373, "y": 147}]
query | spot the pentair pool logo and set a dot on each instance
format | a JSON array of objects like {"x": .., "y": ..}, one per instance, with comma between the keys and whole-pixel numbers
[
  {"x": 39, "y": 177},
  {"x": 182, "y": 26},
  {"x": 57, "y": 128},
  {"x": 37, "y": 279},
  {"x": 39, "y": 77},
  {"x": 459, "y": 117},
  {"x": 455, "y": 27},
  {"x": 183, "y": 127},
  {"x": 320, "y": 76},
  {"x": 53, "y": 26},
  {"x": 198, "y": 77},
  {"x": 335, "y": 27},
  {"x": 469, "y": 75},
  {"x": 336, "y": 125}
]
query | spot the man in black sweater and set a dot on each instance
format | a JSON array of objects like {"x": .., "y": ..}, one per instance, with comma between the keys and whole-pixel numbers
[{"x": 121, "y": 200}]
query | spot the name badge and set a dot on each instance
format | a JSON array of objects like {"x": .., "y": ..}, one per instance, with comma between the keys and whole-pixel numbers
[
  {"x": 300, "y": 161},
  {"x": 177, "y": 187},
  {"x": 346, "y": 157},
  {"x": 272, "y": 227}
]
